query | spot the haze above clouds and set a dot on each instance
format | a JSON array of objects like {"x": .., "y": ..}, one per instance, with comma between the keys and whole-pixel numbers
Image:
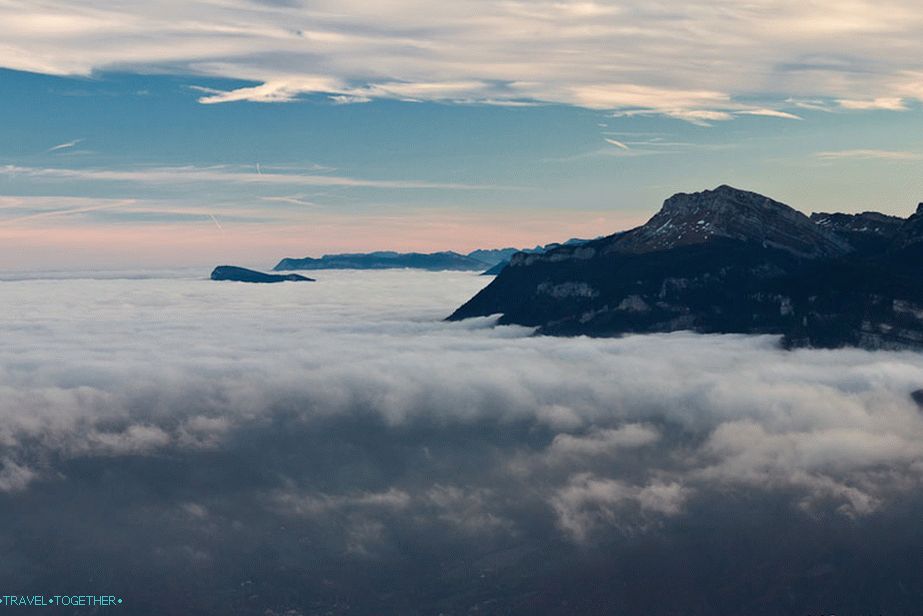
[{"x": 226, "y": 440}]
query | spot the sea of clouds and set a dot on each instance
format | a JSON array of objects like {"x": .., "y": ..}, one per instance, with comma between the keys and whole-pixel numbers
[{"x": 334, "y": 447}]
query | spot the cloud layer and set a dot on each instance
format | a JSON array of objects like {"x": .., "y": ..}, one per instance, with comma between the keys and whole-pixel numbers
[
  {"x": 697, "y": 60},
  {"x": 342, "y": 424}
]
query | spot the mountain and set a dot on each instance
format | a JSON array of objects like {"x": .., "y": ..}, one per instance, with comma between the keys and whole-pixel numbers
[
  {"x": 386, "y": 260},
  {"x": 723, "y": 261},
  {"x": 241, "y": 274}
]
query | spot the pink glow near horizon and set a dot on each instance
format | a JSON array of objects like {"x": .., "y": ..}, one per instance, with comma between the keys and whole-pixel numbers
[{"x": 67, "y": 247}]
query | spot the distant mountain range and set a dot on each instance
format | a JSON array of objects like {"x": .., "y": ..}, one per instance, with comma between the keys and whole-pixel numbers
[
  {"x": 492, "y": 260},
  {"x": 726, "y": 260},
  {"x": 385, "y": 260}
]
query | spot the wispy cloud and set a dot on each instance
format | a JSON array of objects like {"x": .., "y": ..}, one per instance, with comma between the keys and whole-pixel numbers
[
  {"x": 271, "y": 92},
  {"x": 616, "y": 143},
  {"x": 639, "y": 144},
  {"x": 868, "y": 154},
  {"x": 699, "y": 117},
  {"x": 15, "y": 210},
  {"x": 85, "y": 206},
  {"x": 349, "y": 99},
  {"x": 770, "y": 113},
  {"x": 886, "y": 104},
  {"x": 291, "y": 200},
  {"x": 811, "y": 104},
  {"x": 64, "y": 146},
  {"x": 496, "y": 52},
  {"x": 168, "y": 175}
]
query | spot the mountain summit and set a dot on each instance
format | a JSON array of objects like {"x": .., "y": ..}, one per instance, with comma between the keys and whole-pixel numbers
[
  {"x": 731, "y": 213},
  {"x": 726, "y": 260}
]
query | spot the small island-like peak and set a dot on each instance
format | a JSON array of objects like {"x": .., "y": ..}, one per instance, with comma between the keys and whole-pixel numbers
[{"x": 242, "y": 274}]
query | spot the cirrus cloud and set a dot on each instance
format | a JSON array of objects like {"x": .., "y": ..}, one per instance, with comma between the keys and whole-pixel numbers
[{"x": 693, "y": 60}]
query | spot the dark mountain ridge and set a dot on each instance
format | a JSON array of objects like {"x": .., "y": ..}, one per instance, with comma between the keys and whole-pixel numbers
[{"x": 726, "y": 261}]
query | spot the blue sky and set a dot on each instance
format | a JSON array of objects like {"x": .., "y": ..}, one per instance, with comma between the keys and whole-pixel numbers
[{"x": 162, "y": 133}]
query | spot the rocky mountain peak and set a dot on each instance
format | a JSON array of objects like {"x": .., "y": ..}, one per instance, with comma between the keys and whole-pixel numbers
[
  {"x": 721, "y": 198},
  {"x": 728, "y": 212}
]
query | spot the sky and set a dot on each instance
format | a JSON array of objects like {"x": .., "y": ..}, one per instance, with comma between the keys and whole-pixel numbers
[
  {"x": 296, "y": 449},
  {"x": 162, "y": 134}
]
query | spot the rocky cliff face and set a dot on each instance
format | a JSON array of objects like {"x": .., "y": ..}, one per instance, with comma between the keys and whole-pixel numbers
[{"x": 726, "y": 260}]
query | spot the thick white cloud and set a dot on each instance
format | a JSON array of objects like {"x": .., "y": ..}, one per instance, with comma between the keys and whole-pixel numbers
[
  {"x": 604, "y": 433},
  {"x": 599, "y": 442},
  {"x": 695, "y": 60}
]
